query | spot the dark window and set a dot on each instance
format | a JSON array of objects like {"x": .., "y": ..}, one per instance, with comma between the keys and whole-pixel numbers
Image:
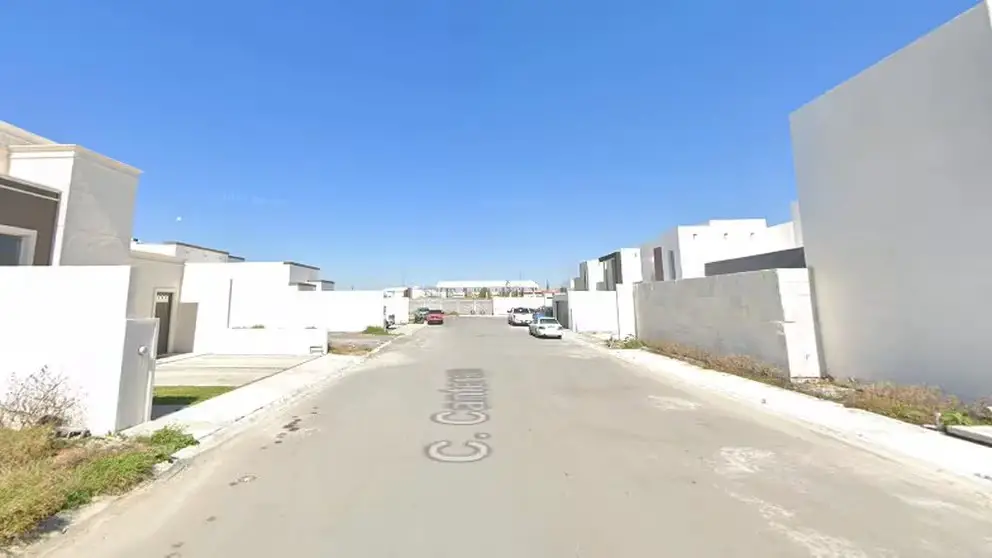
[{"x": 659, "y": 264}]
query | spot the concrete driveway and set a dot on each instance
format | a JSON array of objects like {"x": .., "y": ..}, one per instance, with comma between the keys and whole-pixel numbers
[{"x": 223, "y": 370}]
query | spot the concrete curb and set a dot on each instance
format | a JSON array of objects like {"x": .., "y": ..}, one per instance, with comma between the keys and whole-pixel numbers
[{"x": 872, "y": 432}]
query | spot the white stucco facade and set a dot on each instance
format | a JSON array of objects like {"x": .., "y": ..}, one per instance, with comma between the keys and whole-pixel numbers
[
  {"x": 893, "y": 170},
  {"x": 73, "y": 320},
  {"x": 684, "y": 251},
  {"x": 182, "y": 251},
  {"x": 96, "y": 214}
]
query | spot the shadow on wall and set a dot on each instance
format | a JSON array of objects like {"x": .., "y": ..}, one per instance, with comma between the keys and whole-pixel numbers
[{"x": 185, "y": 328}]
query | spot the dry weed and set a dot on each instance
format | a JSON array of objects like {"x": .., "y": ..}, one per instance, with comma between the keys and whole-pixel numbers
[{"x": 914, "y": 404}]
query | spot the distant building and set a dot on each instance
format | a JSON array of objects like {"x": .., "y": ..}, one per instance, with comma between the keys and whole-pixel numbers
[{"x": 457, "y": 289}]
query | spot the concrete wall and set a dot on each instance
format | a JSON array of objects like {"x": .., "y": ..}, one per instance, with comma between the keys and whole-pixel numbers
[
  {"x": 686, "y": 250},
  {"x": 185, "y": 252},
  {"x": 797, "y": 223},
  {"x": 302, "y": 273},
  {"x": 399, "y": 306},
  {"x": 268, "y": 342},
  {"x": 599, "y": 311},
  {"x": 151, "y": 274},
  {"x": 137, "y": 383},
  {"x": 764, "y": 314},
  {"x": 893, "y": 172},
  {"x": 630, "y": 266},
  {"x": 591, "y": 276},
  {"x": 73, "y": 321},
  {"x": 96, "y": 214},
  {"x": 793, "y": 258},
  {"x": 196, "y": 254},
  {"x": 340, "y": 311}
]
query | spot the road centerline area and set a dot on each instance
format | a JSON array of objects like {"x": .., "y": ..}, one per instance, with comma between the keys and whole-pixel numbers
[
  {"x": 466, "y": 405},
  {"x": 474, "y": 437}
]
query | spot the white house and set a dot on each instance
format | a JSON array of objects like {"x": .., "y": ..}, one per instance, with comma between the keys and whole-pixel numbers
[
  {"x": 84, "y": 300},
  {"x": 893, "y": 169},
  {"x": 684, "y": 251},
  {"x": 67, "y": 289}
]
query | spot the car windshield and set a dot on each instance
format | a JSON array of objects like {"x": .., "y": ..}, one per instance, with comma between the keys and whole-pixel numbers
[
  {"x": 435, "y": 312},
  {"x": 548, "y": 321}
]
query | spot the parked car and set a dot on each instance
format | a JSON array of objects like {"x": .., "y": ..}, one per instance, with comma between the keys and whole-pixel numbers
[
  {"x": 546, "y": 327},
  {"x": 420, "y": 314},
  {"x": 543, "y": 312},
  {"x": 435, "y": 317},
  {"x": 520, "y": 316}
]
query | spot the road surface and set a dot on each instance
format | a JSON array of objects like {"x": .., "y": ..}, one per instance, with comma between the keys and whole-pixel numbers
[{"x": 574, "y": 454}]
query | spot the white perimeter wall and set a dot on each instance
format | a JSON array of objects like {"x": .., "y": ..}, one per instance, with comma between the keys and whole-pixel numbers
[
  {"x": 893, "y": 170},
  {"x": 267, "y": 341},
  {"x": 253, "y": 304},
  {"x": 601, "y": 311},
  {"x": 764, "y": 314},
  {"x": 400, "y": 307},
  {"x": 72, "y": 319},
  {"x": 340, "y": 311},
  {"x": 218, "y": 297}
]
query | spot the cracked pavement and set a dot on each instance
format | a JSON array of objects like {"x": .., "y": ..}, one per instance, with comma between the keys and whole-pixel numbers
[{"x": 473, "y": 438}]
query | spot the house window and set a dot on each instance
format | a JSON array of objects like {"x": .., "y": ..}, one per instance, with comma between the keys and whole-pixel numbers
[{"x": 16, "y": 245}]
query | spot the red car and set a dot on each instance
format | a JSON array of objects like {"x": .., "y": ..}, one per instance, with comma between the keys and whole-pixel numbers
[{"x": 435, "y": 317}]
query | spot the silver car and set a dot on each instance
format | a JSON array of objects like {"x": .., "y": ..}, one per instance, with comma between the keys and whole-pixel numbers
[{"x": 546, "y": 327}]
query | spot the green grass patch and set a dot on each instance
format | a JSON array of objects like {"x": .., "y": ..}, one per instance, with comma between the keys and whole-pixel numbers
[
  {"x": 42, "y": 475},
  {"x": 376, "y": 330},
  {"x": 186, "y": 395}
]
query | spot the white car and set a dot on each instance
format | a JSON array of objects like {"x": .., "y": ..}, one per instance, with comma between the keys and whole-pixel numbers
[
  {"x": 520, "y": 316},
  {"x": 546, "y": 327}
]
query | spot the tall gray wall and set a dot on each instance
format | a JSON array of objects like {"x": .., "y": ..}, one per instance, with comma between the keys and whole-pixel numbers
[{"x": 894, "y": 175}]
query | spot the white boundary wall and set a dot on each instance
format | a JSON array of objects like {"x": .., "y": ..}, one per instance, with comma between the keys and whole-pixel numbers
[
  {"x": 72, "y": 319},
  {"x": 239, "y": 341},
  {"x": 766, "y": 315},
  {"x": 398, "y": 306},
  {"x": 600, "y": 311}
]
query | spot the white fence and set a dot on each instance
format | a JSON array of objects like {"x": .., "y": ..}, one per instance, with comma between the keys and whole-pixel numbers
[{"x": 71, "y": 320}]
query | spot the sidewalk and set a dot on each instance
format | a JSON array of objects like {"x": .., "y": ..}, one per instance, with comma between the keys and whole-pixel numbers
[
  {"x": 211, "y": 421},
  {"x": 875, "y": 433},
  {"x": 208, "y": 417}
]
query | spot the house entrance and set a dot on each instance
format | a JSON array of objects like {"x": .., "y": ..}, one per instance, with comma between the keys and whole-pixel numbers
[{"x": 163, "y": 311}]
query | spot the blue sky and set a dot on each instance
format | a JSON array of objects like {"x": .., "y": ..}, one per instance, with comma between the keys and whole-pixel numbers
[{"x": 421, "y": 140}]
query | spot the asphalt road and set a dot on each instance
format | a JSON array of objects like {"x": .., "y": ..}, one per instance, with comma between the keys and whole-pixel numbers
[{"x": 575, "y": 455}]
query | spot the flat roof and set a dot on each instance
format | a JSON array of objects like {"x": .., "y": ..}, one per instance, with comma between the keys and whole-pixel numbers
[
  {"x": 188, "y": 245},
  {"x": 302, "y": 265}
]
